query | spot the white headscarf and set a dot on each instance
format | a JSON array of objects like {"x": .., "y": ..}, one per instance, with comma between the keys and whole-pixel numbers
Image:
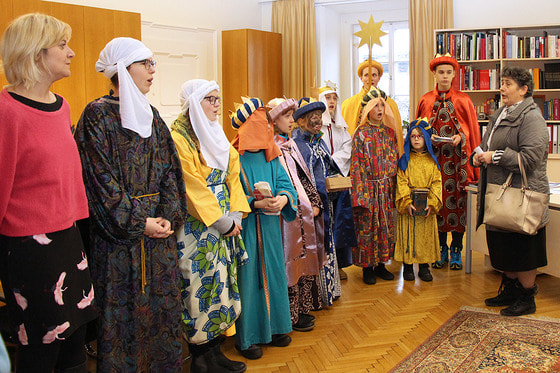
[
  {"x": 118, "y": 54},
  {"x": 214, "y": 144},
  {"x": 327, "y": 119}
]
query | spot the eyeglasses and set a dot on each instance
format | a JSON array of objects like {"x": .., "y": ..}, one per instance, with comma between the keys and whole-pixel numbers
[
  {"x": 416, "y": 137},
  {"x": 213, "y": 99},
  {"x": 148, "y": 63}
]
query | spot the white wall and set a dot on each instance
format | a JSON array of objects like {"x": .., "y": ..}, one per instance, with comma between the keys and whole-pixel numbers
[
  {"x": 185, "y": 36},
  {"x": 501, "y": 13},
  {"x": 328, "y": 26}
]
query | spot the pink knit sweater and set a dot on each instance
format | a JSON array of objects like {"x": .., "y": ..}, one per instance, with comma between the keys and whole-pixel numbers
[{"x": 41, "y": 186}]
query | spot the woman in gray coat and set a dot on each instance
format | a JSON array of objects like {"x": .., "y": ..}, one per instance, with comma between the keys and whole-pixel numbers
[{"x": 516, "y": 128}]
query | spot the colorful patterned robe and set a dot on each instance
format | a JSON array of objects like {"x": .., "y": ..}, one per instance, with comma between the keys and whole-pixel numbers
[
  {"x": 417, "y": 236},
  {"x": 262, "y": 281},
  {"x": 449, "y": 114},
  {"x": 127, "y": 179},
  {"x": 208, "y": 260},
  {"x": 373, "y": 169},
  {"x": 339, "y": 231}
]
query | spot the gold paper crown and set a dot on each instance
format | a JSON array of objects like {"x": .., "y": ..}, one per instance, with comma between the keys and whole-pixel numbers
[{"x": 329, "y": 86}]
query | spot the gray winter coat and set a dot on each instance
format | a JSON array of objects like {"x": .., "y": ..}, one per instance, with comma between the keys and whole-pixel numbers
[{"x": 521, "y": 131}]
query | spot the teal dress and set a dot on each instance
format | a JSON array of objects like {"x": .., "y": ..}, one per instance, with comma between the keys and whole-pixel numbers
[{"x": 263, "y": 287}]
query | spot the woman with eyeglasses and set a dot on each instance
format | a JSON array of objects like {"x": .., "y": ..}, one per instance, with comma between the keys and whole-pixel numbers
[
  {"x": 210, "y": 247},
  {"x": 136, "y": 198}
]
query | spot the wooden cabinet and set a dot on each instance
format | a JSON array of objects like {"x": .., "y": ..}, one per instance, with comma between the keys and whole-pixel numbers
[{"x": 251, "y": 66}]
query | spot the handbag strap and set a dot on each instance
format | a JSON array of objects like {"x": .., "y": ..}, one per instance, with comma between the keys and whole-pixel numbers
[{"x": 524, "y": 183}]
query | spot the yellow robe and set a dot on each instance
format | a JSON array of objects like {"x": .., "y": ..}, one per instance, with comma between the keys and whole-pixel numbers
[
  {"x": 351, "y": 108},
  {"x": 417, "y": 236},
  {"x": 201, "y": 202}
]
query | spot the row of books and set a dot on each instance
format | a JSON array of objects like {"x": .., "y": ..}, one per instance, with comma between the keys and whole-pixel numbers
[
  {"x": 554, "y": 138},
  {"x": 468, "y": 46},
  {"x": 550, "y": 109},
  {"x": 546, "y": 46},
  {"x": 477, "y": 79}
]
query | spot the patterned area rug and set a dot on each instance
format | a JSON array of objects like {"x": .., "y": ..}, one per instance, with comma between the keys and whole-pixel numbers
[{"x": 475, "y": 340}]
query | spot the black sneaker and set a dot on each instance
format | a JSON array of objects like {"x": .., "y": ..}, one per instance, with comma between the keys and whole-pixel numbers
[
  {"x": 408, "y": 272},
  {"x": 254, "y": 352},
  {"x": 304, "y": 324},
  {"x": 280, "y": 340},
  {"x": 381, "y": 271},
  {"x": 424, "y": 272}
]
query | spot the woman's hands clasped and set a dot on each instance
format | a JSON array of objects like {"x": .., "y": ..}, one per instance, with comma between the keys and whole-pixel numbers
[{"x": 158, "y": 228}]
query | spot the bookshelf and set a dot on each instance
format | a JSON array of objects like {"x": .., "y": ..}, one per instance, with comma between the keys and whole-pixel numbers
[{"x": 482, "y": 53}]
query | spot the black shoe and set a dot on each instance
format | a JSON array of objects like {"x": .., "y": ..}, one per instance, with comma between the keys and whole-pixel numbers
[
  {"x": 507, "y": 293},
  {"x": 408, "y": 272},
  {"x": 424, "y": 272},
  {"x": 381, "y": 271},
  {"x": 524, "y": 305},
  {"x": 231, "y": 365},
  {"x": 206, "y": 363},
  {"x": 369, "y": 275},
  {"x": 303, "y": 325},
  {"x": 280, "y": 340},
  {"x": 254, "y": 352}
]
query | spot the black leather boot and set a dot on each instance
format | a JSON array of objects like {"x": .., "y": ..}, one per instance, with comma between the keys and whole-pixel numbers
[
  {"x": 525, "y": 304},
  {"x": 507, "y": 293},
  {"x": 204, "y": 359},
  {"x": 223, "y": 361}
]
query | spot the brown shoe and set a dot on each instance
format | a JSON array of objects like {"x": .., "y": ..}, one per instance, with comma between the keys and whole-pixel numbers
[{"x": 342, "y": 274}]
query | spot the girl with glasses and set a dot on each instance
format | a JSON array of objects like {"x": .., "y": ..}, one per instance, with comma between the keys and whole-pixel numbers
[
  {"x": 210, "y": 247},
  {"x": 418, "y": 199},
  {"x": 137, "y": 199}
]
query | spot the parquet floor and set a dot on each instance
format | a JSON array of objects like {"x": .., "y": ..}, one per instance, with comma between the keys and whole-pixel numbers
[{"x": 372, "y": 328}]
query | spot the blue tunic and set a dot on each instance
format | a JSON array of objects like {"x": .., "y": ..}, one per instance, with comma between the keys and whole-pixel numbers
[{"x": 260, "y": 319}]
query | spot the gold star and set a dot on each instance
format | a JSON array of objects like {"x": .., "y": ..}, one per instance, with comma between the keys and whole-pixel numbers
[{"x": 370, "y": 32}]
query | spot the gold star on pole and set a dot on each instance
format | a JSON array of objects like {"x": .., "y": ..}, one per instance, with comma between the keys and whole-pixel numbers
[{"x": 370, "y": 32}]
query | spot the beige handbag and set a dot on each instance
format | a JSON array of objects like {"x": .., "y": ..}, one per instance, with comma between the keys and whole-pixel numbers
[{"x": 512, "y": 209}]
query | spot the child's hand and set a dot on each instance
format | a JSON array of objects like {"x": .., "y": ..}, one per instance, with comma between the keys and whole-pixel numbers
[
  {"x": 411, "y": 209},
  {"x": 235, "y": 232},
  {"x": 429, "y": 210},
  {"x": 316, "y": 211},
  {"x": 273, "y": 204},
  {"x": 456, "y": 139},
  {"x": 278, "y": 203}
]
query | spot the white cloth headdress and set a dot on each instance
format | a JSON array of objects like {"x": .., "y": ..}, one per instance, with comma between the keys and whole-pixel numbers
[
  {"x": 214, "y": 144},
  {"x": 327, "y": 119},
  {"x": 118, "y": 54}
]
